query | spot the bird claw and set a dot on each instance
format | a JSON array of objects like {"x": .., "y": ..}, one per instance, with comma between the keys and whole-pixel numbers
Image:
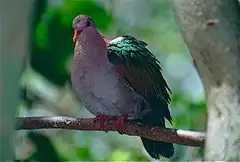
[
  {"x": 120, "y": 123},
  {"x": 103, "y": 119}
]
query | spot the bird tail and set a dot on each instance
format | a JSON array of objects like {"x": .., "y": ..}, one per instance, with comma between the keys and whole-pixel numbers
[{"x": 156, "y": 149}]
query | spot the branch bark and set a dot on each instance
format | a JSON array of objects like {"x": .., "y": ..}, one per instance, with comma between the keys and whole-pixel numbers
[
  {"x": 211, "y": 29},
  {"x": 178, "y": 136}
]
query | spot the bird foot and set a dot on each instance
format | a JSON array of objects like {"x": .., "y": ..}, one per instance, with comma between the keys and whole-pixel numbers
[
  {"x": 120, "y": 122},
  {"x": 103, "y": 119}
]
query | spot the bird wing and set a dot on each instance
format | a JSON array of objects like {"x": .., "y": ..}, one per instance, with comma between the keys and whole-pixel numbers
[{"x": 141, "y": 70}]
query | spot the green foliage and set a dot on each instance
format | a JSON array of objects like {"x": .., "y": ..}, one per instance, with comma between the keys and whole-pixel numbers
[
  {"x": 120, "y": 155},
  {"x": 52, "y": 44},
  {"x": 73, "y": 8},
  {"x": 185, "y": 109},
  {"x": 45, "y": 150},
  {"x": 83, "y": 153}
]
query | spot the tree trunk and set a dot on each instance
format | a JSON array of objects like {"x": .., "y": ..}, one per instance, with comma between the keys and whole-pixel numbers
[
  {"x": 15, "y": 16},
  {"x": 211, "y": 29}
]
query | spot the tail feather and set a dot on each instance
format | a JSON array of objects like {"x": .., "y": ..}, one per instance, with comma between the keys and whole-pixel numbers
[{"x": 156, "y": 149}]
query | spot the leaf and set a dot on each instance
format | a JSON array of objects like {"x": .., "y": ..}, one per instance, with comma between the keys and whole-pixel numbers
[
  {"x": 53, "y": 46},
  {"x": 45, "y": 149},
  {"x": 72, "y": 8}
]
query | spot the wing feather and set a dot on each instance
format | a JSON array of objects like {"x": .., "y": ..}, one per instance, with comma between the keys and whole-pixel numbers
[{"x": 142, "y": 71}]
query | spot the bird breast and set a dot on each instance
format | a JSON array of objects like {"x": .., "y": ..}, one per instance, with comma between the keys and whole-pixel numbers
[{"x": 102, "y": 91}]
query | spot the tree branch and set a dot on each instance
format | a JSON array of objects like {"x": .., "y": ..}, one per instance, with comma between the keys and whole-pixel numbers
[{"x": 178, "y": 136}]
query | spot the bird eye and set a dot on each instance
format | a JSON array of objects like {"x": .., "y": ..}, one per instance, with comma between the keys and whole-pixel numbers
[{"x": 88, "y": 23}]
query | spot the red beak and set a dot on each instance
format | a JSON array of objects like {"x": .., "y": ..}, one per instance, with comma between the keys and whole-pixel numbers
[{"x": 76, "y": 35}]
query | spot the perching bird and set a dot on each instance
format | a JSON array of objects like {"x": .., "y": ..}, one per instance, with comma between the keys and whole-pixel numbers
[{"x": 120, "y": 77}]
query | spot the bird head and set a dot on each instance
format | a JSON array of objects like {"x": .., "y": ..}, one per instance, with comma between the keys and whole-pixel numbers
[{"x": 79, "y": 24}]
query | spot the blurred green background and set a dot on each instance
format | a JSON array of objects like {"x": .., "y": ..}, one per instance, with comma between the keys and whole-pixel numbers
[{"x": 46, "y": 87}]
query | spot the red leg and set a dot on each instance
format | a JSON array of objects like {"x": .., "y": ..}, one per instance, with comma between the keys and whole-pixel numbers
[
  {"x": 120, "y": 122},
  {"x": 103, "y": 119}
]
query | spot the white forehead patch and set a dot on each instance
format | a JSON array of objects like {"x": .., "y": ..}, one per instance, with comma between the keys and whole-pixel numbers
[{"x": 118, "y": 39}]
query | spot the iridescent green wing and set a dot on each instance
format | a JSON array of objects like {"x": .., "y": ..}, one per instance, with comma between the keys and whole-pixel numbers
[{"x": 142, "y": 71}]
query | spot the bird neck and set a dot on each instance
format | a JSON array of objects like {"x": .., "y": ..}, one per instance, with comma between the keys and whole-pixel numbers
[{"x": 90, "y": 47}]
